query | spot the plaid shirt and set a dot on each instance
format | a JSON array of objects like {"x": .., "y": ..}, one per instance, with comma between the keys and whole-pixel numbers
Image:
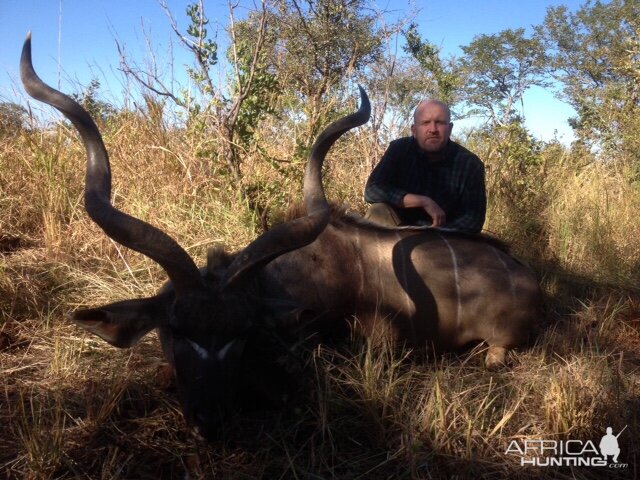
[{"x": 456, "y": 184}]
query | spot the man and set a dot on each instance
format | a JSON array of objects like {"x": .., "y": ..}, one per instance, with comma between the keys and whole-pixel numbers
[
  {"x": 609, "y": 445},
  {"x": 427, "y": 179}
]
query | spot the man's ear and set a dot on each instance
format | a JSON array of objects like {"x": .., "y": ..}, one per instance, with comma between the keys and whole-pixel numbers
[{"x": 122, "y": 324}]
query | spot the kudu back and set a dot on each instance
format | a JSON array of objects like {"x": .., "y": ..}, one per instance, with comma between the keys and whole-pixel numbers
[{"x": 430, "y": 287}]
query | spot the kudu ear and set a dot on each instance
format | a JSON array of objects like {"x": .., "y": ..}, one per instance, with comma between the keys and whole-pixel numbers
[{"x": 122, "y": 324}]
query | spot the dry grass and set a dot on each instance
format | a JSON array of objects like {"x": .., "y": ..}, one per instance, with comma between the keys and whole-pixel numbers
[
  {"x": 74, "y": 407},
  {"x": 593, "y": 225}
]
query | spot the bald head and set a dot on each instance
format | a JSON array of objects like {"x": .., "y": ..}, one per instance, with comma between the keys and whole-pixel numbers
[
  {"x": 431, "y": 103},
  {"x": 432, "y": 125}
]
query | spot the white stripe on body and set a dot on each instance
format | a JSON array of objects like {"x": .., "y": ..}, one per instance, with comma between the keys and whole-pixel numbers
[
  {"x": 512, "y": 285},
  {"x": 359, "y": 263},
  {"x": 379, "y": 270},
  {"x": 456, "y": 278}
]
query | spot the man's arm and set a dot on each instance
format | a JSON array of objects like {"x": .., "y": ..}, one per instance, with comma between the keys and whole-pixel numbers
[
  {"x": 474, "y": 204},
  {"x": 438, "y": 217},
  {"x": 382, "y": 185}
]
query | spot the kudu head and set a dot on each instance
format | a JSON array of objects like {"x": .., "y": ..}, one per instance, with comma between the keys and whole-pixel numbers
[{"x": 202, "y": 315}]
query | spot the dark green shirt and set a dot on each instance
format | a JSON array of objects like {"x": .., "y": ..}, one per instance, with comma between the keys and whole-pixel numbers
[{"x": 455, "y": 183}]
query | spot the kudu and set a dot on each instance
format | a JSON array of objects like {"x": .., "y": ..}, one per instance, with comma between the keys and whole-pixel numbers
[{"x": 430, "y": 287}]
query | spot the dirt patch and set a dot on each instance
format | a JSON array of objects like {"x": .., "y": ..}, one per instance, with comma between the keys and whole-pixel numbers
[
  {"x": 11, "y": 341},
  {"x": 12, "y": 243}
]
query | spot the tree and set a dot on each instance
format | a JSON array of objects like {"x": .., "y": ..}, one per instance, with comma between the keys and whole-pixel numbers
[
  {"x": 313, "y": 46},
  {"x": 498, "y": 69},
  {"x": 260, "y": 102},
  {"x": 221, "y": 108},
  {"x": 445, "y": 76},
  {"x": 595, "y": 54},
  {"x": 99, "y": 110},
  {"x": 12, "y": 118}
]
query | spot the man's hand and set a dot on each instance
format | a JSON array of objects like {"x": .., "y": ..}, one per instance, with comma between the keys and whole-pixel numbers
[{"x": 438, "y": 217}]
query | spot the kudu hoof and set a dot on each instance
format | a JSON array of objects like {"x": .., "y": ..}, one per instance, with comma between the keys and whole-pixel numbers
[{"x": 496, "y": 358}]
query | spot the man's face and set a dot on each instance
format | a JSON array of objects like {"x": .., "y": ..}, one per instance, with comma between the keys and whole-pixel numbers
[{"x": 432, "y": 126}]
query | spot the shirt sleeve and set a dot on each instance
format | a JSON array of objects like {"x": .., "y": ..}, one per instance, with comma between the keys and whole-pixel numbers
[
  {"x": 380, "y": 186},
  {"x": 474, "y": 203}
]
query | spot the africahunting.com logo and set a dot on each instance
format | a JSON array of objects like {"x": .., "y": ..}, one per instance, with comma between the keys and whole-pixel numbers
[{"x": 569, "y": 453}]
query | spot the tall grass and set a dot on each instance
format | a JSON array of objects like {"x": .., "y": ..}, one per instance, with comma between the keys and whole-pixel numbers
[
  {"x": 593, "y": 226},
  {"x": 73, "y": 407}
]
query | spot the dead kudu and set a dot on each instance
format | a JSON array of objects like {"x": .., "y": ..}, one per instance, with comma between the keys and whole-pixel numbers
[{"x": 430, "y": 287}]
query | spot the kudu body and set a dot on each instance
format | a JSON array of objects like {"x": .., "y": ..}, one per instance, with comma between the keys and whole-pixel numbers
[{"x": 431, "y": 287}]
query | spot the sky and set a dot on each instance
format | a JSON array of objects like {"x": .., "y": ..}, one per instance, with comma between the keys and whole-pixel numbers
[{"x": 74, "y": 41}]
